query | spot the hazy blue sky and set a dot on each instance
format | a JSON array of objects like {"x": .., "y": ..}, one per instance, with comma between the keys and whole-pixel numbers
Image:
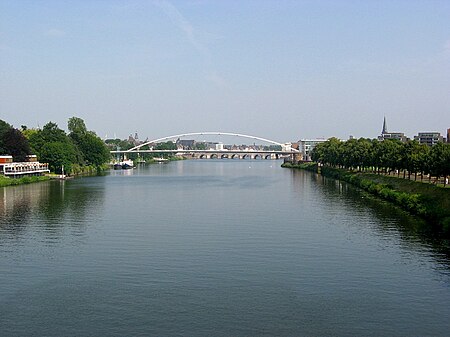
[{"x": 282, "y": 70}]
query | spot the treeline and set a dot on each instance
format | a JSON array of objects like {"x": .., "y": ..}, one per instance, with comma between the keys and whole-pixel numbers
[
  {"x": 78, "y": 151},
  {"x": 386, "y": 156}
]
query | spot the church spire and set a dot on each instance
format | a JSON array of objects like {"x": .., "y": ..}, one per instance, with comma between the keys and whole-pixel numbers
[{"x": 384, "y": 126}]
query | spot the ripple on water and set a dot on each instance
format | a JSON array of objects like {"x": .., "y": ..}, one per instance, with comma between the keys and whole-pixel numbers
[{"x": 216, "y": 248}]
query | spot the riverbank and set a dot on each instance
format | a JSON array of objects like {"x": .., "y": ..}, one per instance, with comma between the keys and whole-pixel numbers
[
  {"x": 164, "y": 160},
  {"x": 425, "y": 200},
  {"x": 6, "y": 181},
  {"x": 78, "y": 170}
]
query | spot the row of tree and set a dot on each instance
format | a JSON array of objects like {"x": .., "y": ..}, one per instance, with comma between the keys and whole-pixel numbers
[
  {"x": 409, "y": 157},
  {"x": 74, "y": 151}
]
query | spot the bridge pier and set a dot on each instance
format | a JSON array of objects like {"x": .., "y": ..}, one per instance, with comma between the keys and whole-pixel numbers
[
  {"x": 231, "y": 155},
  {"x": 217, "y": 154}
]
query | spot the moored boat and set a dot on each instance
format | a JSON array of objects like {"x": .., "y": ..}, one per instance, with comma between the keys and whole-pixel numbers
[{"x": 127, "y": 164}]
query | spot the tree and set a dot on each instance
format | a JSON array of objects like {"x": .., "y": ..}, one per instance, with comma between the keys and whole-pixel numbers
[
  {"x": 440, "y": 160},
  {"x": 169, "y": 145},
  {"x": 51, "y": 138},
  {"x": 4, "y": 127},
  {"x": 200, "y": 146},
  {"x": 333, "y": 151},
  {"x": 389, "y": 154},
  {"x": 166, "y": 146},
  {"x": 76, "y": 126},
  {"x": 51, "y": 133},
  {"x": 413, "y": 153},
  {"x": 93, "y": 150},
  {"x": 28, "y": 132},
  {"x": 318, "y": 153},
  {"x": 58, "y": 155},
  {"x": 15, "y": 144}
]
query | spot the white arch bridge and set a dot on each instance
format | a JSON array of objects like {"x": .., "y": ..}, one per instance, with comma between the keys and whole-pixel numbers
[{"x": 286, "y": 148}]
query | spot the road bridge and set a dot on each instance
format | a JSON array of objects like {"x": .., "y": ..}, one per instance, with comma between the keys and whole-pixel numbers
[{"x": 148, "y": 147}]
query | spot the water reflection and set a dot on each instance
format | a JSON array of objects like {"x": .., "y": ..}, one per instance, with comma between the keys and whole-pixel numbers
[
  {"x": 393, "y": 223},
  {"x": 50, "y": 208}
]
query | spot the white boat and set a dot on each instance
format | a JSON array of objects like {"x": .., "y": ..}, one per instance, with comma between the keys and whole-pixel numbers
[{"x": 127, "y": 164}]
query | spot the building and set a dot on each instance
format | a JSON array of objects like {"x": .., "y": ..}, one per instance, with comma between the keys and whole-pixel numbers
[
  {"x": 429, "y": 138},
  {"x": 5, "y": 160},
  {"x": 20, "y": 169},
  {"x": 295, "y": 146},
  {"x": 210, "y": 145},
  {"x": 391, "y": 135},
  {"x": 186, "y": 144},
  {"x": 305, "y": 146},
  {"x": 448, "y": 135}
]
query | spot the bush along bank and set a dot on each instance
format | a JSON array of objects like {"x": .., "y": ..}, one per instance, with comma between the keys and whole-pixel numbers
[
  {"x": 78, "y": 170},
  {"x": 6, "y": 181},
  {"x": 425, "y": 200},
  {"x": 304, "y": 166}
]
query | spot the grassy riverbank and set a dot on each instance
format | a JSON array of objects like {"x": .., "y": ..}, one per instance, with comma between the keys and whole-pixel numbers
[
  {"x": 6, "y": 181},
  {"x": 77, "y": 171},
  {"x": 426, "y": 200}
]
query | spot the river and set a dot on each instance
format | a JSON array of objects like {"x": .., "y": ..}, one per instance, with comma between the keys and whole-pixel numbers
[{"x": 216, "y": 248}]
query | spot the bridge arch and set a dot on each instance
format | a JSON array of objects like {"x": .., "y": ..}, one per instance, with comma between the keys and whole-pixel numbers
[{"x": 208, "y": 133}]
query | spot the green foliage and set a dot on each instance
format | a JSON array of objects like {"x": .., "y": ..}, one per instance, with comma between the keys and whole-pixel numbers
[
  {"x": 305, "y": 166},
  {"x": 166, "y": 146},
  {"x": 199, "y": 146},
  {"x": 76, "y": 126},
  {"x": 28, "y": 132},
  {"x": 118, "y": 144},
  {"x": 4, "y": 127},
  {"x": 388, "y": 155},
  {"x": 169, "y": 145},
  {"x": 74, "y": 151},
  {"x": 439, "y": 163},
  {"x": 59, "y": 155},
  {"x": 53, "y": 146},
  {"x": 92, "y": 149},
  {"x": 6, "y": 181},
  {"x": 15, "y": 144}
]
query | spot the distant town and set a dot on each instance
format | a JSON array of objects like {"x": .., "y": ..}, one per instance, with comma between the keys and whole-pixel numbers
[
  {"x": 26, "y": 151},
  {"x": 304, "y": 146}
]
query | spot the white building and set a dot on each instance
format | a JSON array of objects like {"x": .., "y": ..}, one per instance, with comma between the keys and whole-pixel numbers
[
  {"x": 429, "y": 138},
  {"x": 305, "y": 146}
]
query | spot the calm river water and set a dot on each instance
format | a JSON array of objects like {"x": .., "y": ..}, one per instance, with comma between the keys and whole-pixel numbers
[{"x": 216, "y": 248}]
